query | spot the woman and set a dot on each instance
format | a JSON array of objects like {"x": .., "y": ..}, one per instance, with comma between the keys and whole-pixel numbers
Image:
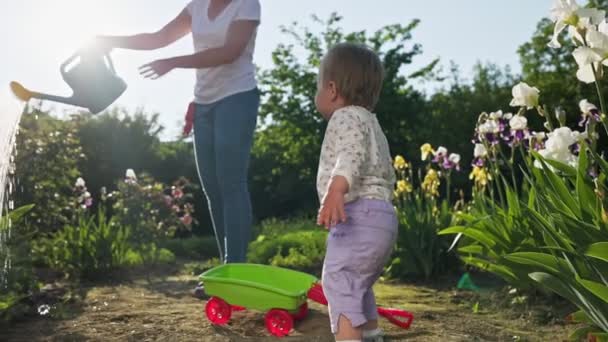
[{"x": 225, "y": 106}]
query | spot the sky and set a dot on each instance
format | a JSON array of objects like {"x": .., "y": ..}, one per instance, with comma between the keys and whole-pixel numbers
[{"x": 36, "y": 36}]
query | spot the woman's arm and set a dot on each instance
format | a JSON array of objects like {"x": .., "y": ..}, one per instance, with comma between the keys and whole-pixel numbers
[
  {"x": 174, "y": 30},
  {"x": 238, "y": 36}
]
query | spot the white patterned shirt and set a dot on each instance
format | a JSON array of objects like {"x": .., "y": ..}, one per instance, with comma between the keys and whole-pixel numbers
[{"x": 355, "y": 147}]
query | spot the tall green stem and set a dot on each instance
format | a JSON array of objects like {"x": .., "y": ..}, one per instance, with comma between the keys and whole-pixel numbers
[
  {"x": 448, "y": 189},
  {"x": 496, "y": 177},
  {"x": 544, "y": 113},
  {"x": 512, "y": 168},
  {"x": 598, "y": 89}
]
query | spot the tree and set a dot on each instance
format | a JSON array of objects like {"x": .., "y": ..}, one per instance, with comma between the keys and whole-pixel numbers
[{"x": 116, "y": 141}]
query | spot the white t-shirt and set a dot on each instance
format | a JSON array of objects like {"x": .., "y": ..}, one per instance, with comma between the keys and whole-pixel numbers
[
  {"x": 355, "y": 148},
  {"x": 214, "y": 84}
]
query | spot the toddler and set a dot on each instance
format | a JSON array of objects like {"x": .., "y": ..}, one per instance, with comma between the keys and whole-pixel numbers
[{"x": 355, "y": 183}]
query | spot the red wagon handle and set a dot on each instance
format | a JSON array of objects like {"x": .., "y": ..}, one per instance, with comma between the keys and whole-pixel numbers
[
  {"x": 400, "y": 318},
  {"x": 316, "y": 294}
]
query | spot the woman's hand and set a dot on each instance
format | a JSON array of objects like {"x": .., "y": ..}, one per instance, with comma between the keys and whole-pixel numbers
[{"x": 157, "y": 69}]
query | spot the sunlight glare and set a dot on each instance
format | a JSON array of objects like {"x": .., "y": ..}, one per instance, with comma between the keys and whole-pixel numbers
[{"x": 63, "y": 26}]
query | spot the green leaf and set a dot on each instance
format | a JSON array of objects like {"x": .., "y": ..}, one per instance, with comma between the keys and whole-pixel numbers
[
  {"x": 583, "y": 159},
  {"x": 477, "y": 262},
  {"x": 506, "y": 273},
  {"x": 599, "y": 336},
  {"x": 550, "y": 229},
  {"x": 468, "y": 217},
  {"x": 543, "y": 261},
  {"x": 558, "y": 186},
  {"x": 556, "y": 285},
  {"x": 602, "y": 163},
  {"x": 15, "y": 215},
  {"x": 596, "y": 288},
  {"x": 472, "y": 249},
  {"x": 512, "y": 201},
  {"x": 582, "y": 333},
  {"x": 584, "y": 188},
  {"x": 579, "y": 317},
  {"x": 598, "y": 250},
  {"x": 502, "y": 271},
  {"x": 21, "y": 211},
  {"x": 531, "y": 197},
  {"x": 475, "y": 234},
  {"x": 567, "y": 170}
]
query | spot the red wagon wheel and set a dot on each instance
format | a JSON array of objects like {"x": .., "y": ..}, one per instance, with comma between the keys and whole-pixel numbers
[
  {"x": 302, "y": 312},
  {"x": 218, "y": 311},
  {"x": 278, "y": 322}
]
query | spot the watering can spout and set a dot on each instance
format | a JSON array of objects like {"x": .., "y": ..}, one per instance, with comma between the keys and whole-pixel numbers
[
  {"x": 21, "y": 92},
  {"x": 92, "y": 78},
  {"x": 24, "y": 94}
]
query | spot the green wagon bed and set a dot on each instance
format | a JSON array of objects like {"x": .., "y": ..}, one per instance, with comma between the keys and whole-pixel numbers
[{"x": 280, "y": 292}]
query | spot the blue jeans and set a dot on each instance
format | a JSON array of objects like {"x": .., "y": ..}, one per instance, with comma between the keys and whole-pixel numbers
[{"x": 223, "y": 135}]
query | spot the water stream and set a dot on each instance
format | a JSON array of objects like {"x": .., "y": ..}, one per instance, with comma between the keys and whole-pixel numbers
[{"x": 10, "y": 114}]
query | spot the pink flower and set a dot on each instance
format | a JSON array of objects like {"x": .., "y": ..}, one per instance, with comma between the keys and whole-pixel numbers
[
  {"x": 186, "y": 219},
  {"x": 168, "y": 200},
  {"x": 177, "y": 193}
]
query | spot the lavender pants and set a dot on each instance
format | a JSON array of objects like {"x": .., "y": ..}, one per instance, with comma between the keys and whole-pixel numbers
[{"x": 357, "y": 252}]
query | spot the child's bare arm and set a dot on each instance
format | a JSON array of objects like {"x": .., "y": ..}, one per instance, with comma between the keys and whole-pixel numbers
[
  {"x": 332, "y": 206},
  {"x": 349, "y": 136}
]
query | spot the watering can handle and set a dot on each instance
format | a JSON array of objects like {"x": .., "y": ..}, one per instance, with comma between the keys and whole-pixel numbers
[
  {"x": 110, "y": 64},
  {"x": 65, "y": 64}
]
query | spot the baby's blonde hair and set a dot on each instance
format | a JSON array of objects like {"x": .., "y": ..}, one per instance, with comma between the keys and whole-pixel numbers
[{"x": 357, "y": 72}]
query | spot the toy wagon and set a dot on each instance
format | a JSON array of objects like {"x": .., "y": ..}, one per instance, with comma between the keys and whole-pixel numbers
[{"x": 280, "y": 292}]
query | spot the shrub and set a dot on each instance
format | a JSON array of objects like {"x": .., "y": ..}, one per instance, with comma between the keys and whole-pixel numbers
[
  {"x": 301, "y": 247},
  {"x": 194, "y": 248},
  {"x": 86, "y": 249},
  {"x": 153, "y": 211}
]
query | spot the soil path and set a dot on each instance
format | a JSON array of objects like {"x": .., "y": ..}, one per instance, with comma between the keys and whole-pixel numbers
[{"x": 162, "y": 309}]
